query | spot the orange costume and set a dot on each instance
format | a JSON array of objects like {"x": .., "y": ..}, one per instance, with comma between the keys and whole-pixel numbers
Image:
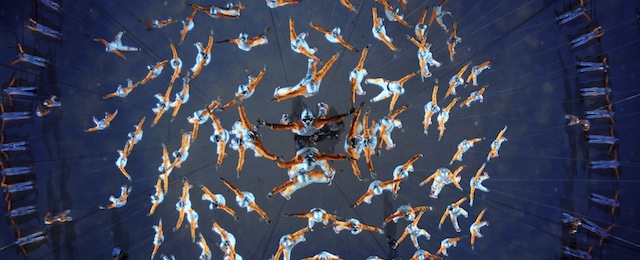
[
  {"x": 357, "y": 75},
  {"x": 476, "y": 183},
  {"x": 135, "y": 136},
  {"x": 447, "y": 243},
  {"x": 386, "y": 126},
  {"x": 379, "y": 31},
  {"x": 230, "y": 11},
  {"x": 431, "y": 108},
  {"x": 245, "y": 43},
  {"x": 402, "y": 172},
  {"x": 251, "y": 139},
  {"x": 354, "y": 226},
  {"x": 104, "y": 123},
  {"x": 453, "y": 211},
  {"x": 437, "y": 14},
  {"x": 246, "y": 200},
  {"x": 206, "y": 252},
  {"x": 44, "y": 30},
  {"x": 309, "y": 85},
  {"x": 121, "y": 201},
  {"x": 301, "y": 180},
  {"x": 158, "y": 238},
  {"x": 376, "y": 188},
  {"x": 456, "y": 81},
  {"x": 181, "y": 97},
  {"x": 199, "y": 117},
  {"x": 475, "y": 96},
  {"x": 287, "y": 242},
  {"x": 391, "y": 14},
  {"x": 121, "y": 162},
  {"x": 187, "y": 24},
  {"x": 182, "y": 154},
  {"x": 115, "y": 46},
  {"x": 369, "y": 140},
  {"x": 192, "y": 217},
  {"x": 203, "y": 58},
  {"x": 407, "y": 212},
  {"x": 60, "y": 217},
  {"x": 184, "y": 203},
  {"x": 164, "y": 103},
  {"x": 441, "y": 177},
  {"x": 246, "y": 91},
  {"x": 315, "y": 215},
  {"x": 220, "y": 137},
  {"x": 299, "y": 44},
  {"x": 176, "y": 63},
  {"x": 155, "y": 23},
  {"x": 421, "y": 29},
  {"x": 443, "y": 117},
  {"x": 218, "y": 201},
  {"x": 348, "y": 5},
  {"x": 476, "y": 70},
  {"x": 165, "y": 168},
  {"x": 333, "y": 36},
  {"x": 228, "y": 241},
  {"x": 157, "y": 198},
  {"x": 425, "y": 57},
  {"x": 390, "y": 88},
  {"x": 122, "y": 92},
  {"x": 423, "y": 254},
  {"x": 496, "y": 144},
  {"x": 154, "y": 71},
  {"x": 475, "y": 228},
  {"x": 414, "y": 232},
  {"x": 453, "y": 40},
  {"x": 463, "y": 147},
  {"x": 353, "y": 143},
  {"x": 279, "y": 3}
]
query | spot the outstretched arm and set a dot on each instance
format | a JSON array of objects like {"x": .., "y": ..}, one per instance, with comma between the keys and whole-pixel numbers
[
  {"x": 353, "y": 127},
  {"x": 444, "y": 216},
  {"x": 292, "y": 31},
  {"x": 404, "y": 234},
  {"x": 374, "y": 12},
  {"x": 334, "y": 119},
  {"x": 479, "y": 219},
  {"x": 457, "y": 204},
  {"x": 318, "y": 28},
  {"x": 427, "y": 180},
  {"x": 330, "y": 156},
  {"x": 362, "y": 198},
  {"x": 291, "y": 126},
  {"x": 396, "y": 112},
  {"x": 232, "y": 187},
  {"x": 243, "y": 118},
  {"x": 295, "y": 160},
  {"x": 411, "y": 161}
]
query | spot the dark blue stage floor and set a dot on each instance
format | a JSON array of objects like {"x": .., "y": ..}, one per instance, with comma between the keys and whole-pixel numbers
[{"x": 541, "y": 172}]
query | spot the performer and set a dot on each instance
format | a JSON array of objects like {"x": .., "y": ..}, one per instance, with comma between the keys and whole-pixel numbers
[{"x": 116, "y": 45}]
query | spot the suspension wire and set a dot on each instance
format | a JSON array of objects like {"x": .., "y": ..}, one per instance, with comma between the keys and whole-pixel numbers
[
  {"x": 275, "y": 31},
  {"x": 269, "y": 234}
]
